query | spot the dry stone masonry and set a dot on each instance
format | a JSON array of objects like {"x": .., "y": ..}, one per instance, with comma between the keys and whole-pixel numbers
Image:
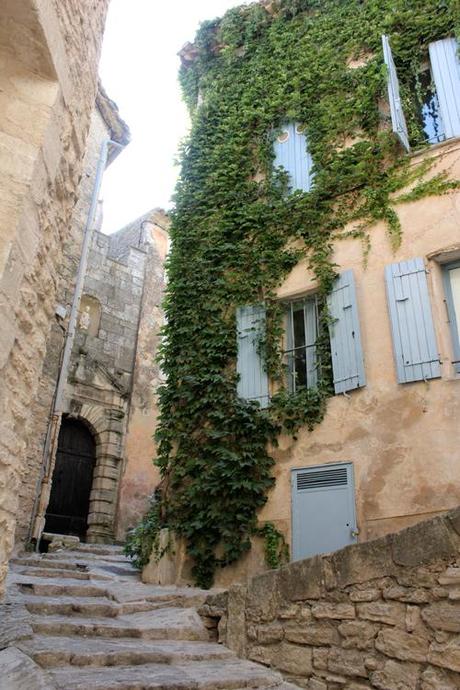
[{"x": 384, "y": 614}]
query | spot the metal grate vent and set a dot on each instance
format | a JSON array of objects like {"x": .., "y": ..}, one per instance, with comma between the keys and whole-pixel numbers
[{"x": 319, "y": 479}]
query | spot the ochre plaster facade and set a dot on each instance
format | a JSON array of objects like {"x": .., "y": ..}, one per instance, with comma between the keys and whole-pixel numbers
[
  {"x": 49, "y": 56},
  {"x": 402, "y": 439}
]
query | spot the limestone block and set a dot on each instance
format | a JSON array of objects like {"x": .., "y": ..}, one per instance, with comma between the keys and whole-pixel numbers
[
  {"x": 294, "y": 659},
  {"x": 267, "y": 634},
  {"x": 334, "y": 611},
  {"x": 396, "y": 676},
  {"x": 361, "y": 595},
  {"x": 402, "y": 645},
  {"x": 347, "y": 662},
  {"x": 359, "y": 634},
  {"x": 425, "y": 542},
  {"x": 442, "y": 616},
  {"x": 408, "y": 595},
  {"x": 391, "y": 613},
  {"x": 451, "y": 576},
  {"x": 317, "y": 634},
  {"x": 362, "y": 562},
  {"x": 301, "y": 580},
  {"x": 236, "y": 622},
  {"x": 446, "y": 655},
  {"x": 436, "y": 679},
  {"x": 320, "y": 657}
]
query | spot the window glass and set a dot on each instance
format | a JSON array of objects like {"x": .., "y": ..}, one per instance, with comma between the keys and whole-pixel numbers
[
  {"x": 302, "y": 329},
  {"x": 454, "y": 275},
  {"x": 429, "y": 113}
]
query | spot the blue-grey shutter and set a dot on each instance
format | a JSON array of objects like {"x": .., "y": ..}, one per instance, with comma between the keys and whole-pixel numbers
[
  {"x": 414, "y": 341},
  {"x": 397, "y": 114},
  {"x": 253, "y": 382},
  {"x": 293, "y": 155},
  {"x": 345, "y": 335},
  {"x": 445, "y": 67}
]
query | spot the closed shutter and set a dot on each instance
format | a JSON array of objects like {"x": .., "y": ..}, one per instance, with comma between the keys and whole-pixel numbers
[
  {"x": 253, "y": 382},
  {"x": 414, "y": 340},
  {"x": 291, "y": 153},
  {"x": 397, "y": 114},
  {"x": 445, "y": 67},
  {"x": 345, "y": 335}
]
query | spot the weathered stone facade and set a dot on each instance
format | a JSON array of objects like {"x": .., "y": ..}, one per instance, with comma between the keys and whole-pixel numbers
[
  {"x": 384, "y": 615},
  {"x": 49, "y": 55},
  {"x": 117, "y": 332}
]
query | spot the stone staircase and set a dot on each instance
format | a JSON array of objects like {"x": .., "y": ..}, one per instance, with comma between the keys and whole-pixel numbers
[{"x": 81, "y": 619}]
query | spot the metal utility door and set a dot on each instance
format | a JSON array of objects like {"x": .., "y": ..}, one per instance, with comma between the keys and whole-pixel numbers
[
  {"x": 72, "y": 479},
  {"x": 323, "y": 509}
]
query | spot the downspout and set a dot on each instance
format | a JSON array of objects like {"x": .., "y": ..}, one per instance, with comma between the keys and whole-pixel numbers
[{"x": 50, "y": 446}]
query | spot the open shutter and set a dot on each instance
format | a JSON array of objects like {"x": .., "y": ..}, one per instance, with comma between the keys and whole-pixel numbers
[
  {"x": 253, "y": 382},
  {"x": 397, "y": 114},
  {"x": 414, "y": 340},
  {"x": 345, "y": 335},
  {"x": 291, "y": 153},
  {"x": 445, "y": 67}
]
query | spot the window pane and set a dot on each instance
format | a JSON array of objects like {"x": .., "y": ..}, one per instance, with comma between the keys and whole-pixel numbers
[
  {"x": 300, "y": 368},
  {"x": 454, "y": 275},
  {"x": 430, "y": 115},
  {"x": 299, "y": 324}
]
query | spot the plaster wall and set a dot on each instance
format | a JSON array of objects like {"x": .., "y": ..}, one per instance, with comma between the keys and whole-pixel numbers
[
  {"x": 401, "y": 438},
  {"x": 49, "y": 57}
]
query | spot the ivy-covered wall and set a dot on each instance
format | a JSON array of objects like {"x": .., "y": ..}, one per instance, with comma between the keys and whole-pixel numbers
[{"x": 236, "y": 233}]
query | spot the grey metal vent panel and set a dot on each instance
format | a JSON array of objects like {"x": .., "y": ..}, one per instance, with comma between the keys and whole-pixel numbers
[{"x": 320, "y": 479}]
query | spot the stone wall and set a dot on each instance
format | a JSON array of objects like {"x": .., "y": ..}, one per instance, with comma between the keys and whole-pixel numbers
[
  {"x": 384, "y": 614},
  {"x": 66, "y": 276},
  {"x": 49, "y": 57},
  {"x": 140, "y": 476}
]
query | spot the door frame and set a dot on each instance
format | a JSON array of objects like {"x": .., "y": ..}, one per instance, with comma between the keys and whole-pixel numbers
[{"x": 351, "y": 476}]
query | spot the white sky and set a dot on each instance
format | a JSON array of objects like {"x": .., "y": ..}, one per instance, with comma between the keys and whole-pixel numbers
[{"x": 139, "y": 67}]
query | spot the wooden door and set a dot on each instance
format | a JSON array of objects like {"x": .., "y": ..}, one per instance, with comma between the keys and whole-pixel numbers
[{"x": 72, "y": 479}]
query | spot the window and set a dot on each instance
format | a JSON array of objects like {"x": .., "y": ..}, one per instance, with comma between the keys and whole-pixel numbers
[
  {"x": 301, "y": 337},
  {"x": 437, "y": 88},
  {"x": 452, "y": 290},
  {"x": 291, "y": 153},
  {"x": 428, "y": 102}
]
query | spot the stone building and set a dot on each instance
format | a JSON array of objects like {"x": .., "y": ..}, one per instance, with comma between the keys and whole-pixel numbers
[
  {"x": 92, "y": 493},
  {"x": 49, "y": 55},
  {"x": 386, "y": 453}
]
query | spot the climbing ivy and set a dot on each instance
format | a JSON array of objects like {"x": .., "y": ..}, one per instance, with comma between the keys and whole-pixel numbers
[{"x": 236, "y": 233}]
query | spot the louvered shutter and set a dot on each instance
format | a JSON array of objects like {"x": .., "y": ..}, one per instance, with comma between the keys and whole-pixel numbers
[
  {"x": 397, "y": 114},
  {"x": 292, "y": 154},
  {"x": 345, "y": 335},
  {"x": 445, "y": 67},
  {"x": 253, "y": 382},
  {"x": 414, "y": 341}
]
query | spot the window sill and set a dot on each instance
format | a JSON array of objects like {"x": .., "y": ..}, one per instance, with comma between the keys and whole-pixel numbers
[{"x": 435, "y": 150}]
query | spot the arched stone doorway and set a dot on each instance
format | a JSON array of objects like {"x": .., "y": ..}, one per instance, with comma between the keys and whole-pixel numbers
[{"x": 68, "y": 506}]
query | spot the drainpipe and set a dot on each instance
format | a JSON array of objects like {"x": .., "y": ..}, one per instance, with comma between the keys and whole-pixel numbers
[{"x": 49, "y": 451}]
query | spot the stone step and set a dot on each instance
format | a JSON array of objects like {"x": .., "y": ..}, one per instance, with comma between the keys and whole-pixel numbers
[
  {"x": 161, "y": 624},
  {"x": 224, "y": 674},
  {"x": 73, "y": 651},
  {"x": 101, "y": 549},
  {"x": 38, "y": 571},
  {"x": 47, "y": 587},
  {"x": 70, "y": 606},
  {"x": 77, "y": 556},
  {"x": 40, "y": 561}
]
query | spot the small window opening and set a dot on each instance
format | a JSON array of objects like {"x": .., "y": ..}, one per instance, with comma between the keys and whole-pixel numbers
[
  {"x": 428, "y": 111},
  {"x": 283, "y": 137}
]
